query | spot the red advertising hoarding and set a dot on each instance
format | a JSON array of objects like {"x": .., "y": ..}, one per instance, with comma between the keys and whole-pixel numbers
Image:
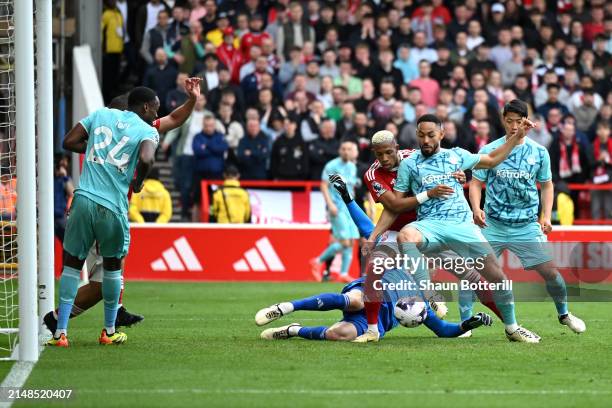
[{"x": 213, "y": 252}]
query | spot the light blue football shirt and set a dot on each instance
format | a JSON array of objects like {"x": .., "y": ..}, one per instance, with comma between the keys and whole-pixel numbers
[
  {"x": 348, "y": 171},
  {"x": 511, "y": 192},
  {"x": 112, "y": 153},
  {"x": 419, "y": 173}
]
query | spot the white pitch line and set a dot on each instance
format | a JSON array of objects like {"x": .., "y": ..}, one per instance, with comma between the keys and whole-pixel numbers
[
  {"x": 16, "y": 378},
  {"x": 345, "y": 392}
]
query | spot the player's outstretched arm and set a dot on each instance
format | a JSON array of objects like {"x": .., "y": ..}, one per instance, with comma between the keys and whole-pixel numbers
[
  {"x": 500, "y": 154},
  {"x": 76, "y": 140},
  {"x": 178, "y": 116},
  {"x": 475, "y": 195},
  {"x": 145, "y": 163}
]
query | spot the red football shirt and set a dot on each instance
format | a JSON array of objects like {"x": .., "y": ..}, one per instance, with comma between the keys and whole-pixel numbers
[{"x": 380, "y": 181}]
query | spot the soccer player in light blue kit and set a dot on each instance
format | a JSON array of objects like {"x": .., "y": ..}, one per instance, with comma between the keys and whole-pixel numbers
[
  {"x": 446, "y": 223},
  {"x": 343, "y": 229},
  {"x": 116, "y": 144},
  {"x": 510, "y": 216}
]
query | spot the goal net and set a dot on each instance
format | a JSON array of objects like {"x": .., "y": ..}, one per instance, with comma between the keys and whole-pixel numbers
[
  {"x": 9, "y": 317},
  {"x": 26, "y": 175}
]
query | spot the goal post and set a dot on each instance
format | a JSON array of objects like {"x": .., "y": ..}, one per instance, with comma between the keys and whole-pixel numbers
[
  {"x": 44, "y": 118},
  {"x": 26, "y": 180}
]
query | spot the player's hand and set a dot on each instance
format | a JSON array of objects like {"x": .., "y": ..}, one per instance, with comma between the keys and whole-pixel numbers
[
  {"x": 192, "y": 87},
  {"x": 479, "y": 218},
  {"x": 136, "y": 186},
  {"x": 474, "y": 322},
  {"x": 337, "y": 181},
  {"x": 333, "y": 210},
  {"x": 546, "y": 226},
  {"x": 440, "y": 191},
  {"x": 459, "y": 175},
  {"x": 525, "y": 127}
]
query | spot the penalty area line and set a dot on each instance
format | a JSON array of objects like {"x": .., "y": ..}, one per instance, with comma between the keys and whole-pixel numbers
[{"x": 346, "y": 392}]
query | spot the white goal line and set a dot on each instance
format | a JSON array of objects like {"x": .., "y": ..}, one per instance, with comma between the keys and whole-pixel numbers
[{"x": 344, "y": 392}]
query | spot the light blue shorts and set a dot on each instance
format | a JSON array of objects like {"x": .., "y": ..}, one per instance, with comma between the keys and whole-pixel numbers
[
  {"x": 91, "y": 222},
  {"x": 526, "y": 241},
  {"x": 463, "y": 238},
  {"x": 342, "y": 224}
]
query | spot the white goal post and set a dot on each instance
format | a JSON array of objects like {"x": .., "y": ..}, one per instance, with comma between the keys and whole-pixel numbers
[{"x": 32, "y": 99}]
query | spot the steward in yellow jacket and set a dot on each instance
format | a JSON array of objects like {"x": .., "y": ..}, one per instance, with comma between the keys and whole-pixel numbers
[
  {"x": 231, "y": 199},
  {"x": 153, "y": 203}
]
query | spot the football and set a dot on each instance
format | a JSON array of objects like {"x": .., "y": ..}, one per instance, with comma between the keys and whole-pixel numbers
[{"x": 410, "y": 311}]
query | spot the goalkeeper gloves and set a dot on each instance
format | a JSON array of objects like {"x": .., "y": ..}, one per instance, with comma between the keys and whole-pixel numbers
[{"x": 337, "y": 181}]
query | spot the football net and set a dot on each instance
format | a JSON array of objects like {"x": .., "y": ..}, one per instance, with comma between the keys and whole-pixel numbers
[
  {"x": 26, "y": 175},
  {"x": 9, "y": 316}
]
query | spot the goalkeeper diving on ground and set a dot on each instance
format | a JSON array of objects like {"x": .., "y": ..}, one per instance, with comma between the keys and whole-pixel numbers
[{"x": 351, "y": 300}]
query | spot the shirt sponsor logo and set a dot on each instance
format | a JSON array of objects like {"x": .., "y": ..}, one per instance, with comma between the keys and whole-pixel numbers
[
  {"x": 434, "y": 178},
  {"x": 514, "y": 174}
]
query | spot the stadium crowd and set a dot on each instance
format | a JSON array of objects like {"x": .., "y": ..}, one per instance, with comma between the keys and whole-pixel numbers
[{"x": 284, "y": 82}]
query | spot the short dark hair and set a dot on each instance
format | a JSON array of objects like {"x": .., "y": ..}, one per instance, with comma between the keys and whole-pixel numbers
[
  {"x": 119, "y": 102},
  {"x": 553, "y": 86},
  {"x": 428, "y": 117},
  {"x": 139, "y": 96},
  {"x": 231, "y": 171},
  {"x": 516, "y": 106}
]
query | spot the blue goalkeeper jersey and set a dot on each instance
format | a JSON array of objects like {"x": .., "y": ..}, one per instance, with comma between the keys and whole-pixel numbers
[
  {"x": 111, "y": 156},
  {"x": 386, "y": 314},
  {"x": 511, "y": 192},
  {"x": 419, "y": 173}
]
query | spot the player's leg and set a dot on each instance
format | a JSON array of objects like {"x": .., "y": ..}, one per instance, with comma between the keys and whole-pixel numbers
[
  {"x": 347, "y": 259},
  {"x": 410, "y": 239},
  {"x": 339, "y": 331},
  {"x": 530, "y": 245},
  {"x": 112, "y": 234},
  {"x": 78, "y": 239},
  {"x": 467, "y": 240},
  {"x": 555, "y": 286},
  {"x": 351, "y": 299},
  {"x": 325, "y": 257}
]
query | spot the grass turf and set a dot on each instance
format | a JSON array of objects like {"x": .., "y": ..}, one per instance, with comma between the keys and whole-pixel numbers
[{"x": 199, "y": 347}]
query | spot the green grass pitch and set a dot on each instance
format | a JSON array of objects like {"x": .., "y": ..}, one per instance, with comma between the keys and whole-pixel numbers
[{"x": 198, "y": 346}]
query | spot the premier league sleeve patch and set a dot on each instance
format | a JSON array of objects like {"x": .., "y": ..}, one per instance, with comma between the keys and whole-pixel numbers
[{"x": 378, "y": 188}]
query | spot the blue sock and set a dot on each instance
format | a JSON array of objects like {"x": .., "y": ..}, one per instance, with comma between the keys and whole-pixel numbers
[
  {"x": 557, "y": 290},
  {"x": 313, "y": 333},
  {"x": 322, "y": 302},
  {"x": 466, "y": 304},
  {"x": 111, "y": 289},
  {"x": 420, "y": 273},
  {"x": 504, "y": 300},
  {"x": 68, "y": 287},
  {"x": 440, "y": 327},
  {"x": 363, "y": 222},
  {"x": 330, "y": 251},
  {"x": 347, "y": 258}
]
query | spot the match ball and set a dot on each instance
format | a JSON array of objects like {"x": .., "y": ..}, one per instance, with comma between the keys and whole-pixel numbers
[{"x": 410, "y": 311}]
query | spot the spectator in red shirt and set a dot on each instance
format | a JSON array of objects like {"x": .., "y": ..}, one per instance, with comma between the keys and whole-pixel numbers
[
  {"x": 255, "y": 36},
  {"x": 229, "y": 55},
  {"x": 596, "y": 25}
]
